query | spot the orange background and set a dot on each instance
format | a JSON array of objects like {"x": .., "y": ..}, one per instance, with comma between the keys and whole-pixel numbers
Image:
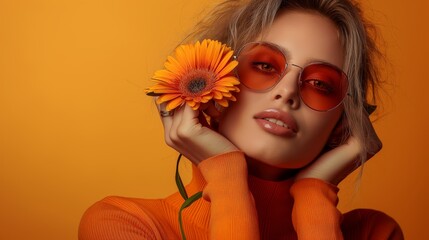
[{"x": 75, "y": 125}]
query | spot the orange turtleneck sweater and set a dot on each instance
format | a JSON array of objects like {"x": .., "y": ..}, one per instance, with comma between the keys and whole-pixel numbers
[{"x": 237, "y": 206}]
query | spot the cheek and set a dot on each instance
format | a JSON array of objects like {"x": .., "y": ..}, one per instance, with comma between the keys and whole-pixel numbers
[
  {"x": 237, "y": 110},
  {"x": 236, "y": 121},
  {"x": 231, "y": 119},
  {"x": 320, "y": 126}
]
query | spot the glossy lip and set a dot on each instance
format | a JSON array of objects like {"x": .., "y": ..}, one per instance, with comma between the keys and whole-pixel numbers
[{"x": 273, "y": 128}]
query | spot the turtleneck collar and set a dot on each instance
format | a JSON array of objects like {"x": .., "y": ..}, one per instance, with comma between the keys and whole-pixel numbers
[{"x": 273, "y": 203}]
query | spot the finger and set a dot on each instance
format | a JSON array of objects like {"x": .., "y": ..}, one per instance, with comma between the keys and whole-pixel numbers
[
  {"x": 189, "y": 118},
  {"x": 167, "y": 122},
  {"x": 186, "y": 126},
  {"x": 182, "y": 129},
  {"x": 175, "y": 124},
  {"x": 166, "y": 119},
  {"x": 335, "y": 164}
]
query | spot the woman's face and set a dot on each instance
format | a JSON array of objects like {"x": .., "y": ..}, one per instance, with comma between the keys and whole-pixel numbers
[{"x": 307, "y": 37}]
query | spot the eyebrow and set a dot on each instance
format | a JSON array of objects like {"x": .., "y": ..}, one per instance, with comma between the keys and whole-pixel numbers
[{"x": 284, "y": 50}]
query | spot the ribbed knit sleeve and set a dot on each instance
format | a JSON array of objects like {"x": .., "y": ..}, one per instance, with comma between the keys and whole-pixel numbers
[
  {"x": 233, "y": 211},
  {"x": 114, "y": 219},
  {"x": 314, "y": 213},
  {"x": 370, "y": 224}
]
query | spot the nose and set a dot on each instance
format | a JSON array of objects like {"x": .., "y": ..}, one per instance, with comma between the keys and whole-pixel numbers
[{"x": 287, "y": 89}]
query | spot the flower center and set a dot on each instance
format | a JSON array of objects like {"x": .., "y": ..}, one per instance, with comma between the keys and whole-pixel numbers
[
  {"x": 196, "y": 82},
  {"x": 196, "y": 85}
]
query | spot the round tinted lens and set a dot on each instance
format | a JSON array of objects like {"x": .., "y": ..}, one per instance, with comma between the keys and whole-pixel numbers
[
  {"x": 322, "y": 86},
  {"x": 260, "y": 66}
]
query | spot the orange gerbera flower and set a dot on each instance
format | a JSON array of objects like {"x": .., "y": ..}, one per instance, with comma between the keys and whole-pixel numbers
[{"x": 198, "y": 73}]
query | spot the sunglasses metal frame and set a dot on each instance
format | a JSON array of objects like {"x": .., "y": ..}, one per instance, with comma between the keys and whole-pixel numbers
[{"x": 275, "y": 47}]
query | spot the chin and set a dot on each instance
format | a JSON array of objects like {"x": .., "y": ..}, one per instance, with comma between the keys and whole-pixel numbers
[{"x": 277, "y": 159}]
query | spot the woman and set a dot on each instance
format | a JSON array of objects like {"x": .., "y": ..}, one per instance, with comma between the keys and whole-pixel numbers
[{"x": 270, "y": 167}]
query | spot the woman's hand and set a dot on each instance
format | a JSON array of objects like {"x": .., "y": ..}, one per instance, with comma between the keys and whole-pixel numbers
[
  {"x": 187, "y": 132},
  {"x": 336, "y": 164}
]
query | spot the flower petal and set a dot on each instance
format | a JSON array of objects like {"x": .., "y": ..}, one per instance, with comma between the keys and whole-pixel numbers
[
  {"x": 164, "y": 91},
  {"x": 227, "y": 94},
  {"x": 228, "y": 81},
  {"x": 191, "y": 56},
  {"x": 197, "y": 105},
  {"x": 209, "y": 55},
  {"x": 182, "y": 56},
  {"x": 174, "y": 104},
  {"x": 222, "y": 102},
  {"x": 203, "y": 53},
  {"x": 197, "y": 54},
  {"x": 228, "y": 68},
  {"x": 164, "y": 76},
  {"x": 217, "y": 57},
  {"x": 205, "y": 99},
  {"x": 191, "y": 103},
  {"x": 167, "y": 97},
  {"x": 217, "y": 95},
  {"x": 225, "y": 59},
  {"x": 161, "y": 87},
  {"x": 232, "y": 98},
  {"x": 173, "y": 66}
]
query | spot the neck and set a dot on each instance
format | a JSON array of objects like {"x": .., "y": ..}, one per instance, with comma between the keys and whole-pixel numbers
[{"x": 267, "y": 172}]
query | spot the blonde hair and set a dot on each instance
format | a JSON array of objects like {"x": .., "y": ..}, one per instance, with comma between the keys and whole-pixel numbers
[{"x": 236, "y": 22}]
